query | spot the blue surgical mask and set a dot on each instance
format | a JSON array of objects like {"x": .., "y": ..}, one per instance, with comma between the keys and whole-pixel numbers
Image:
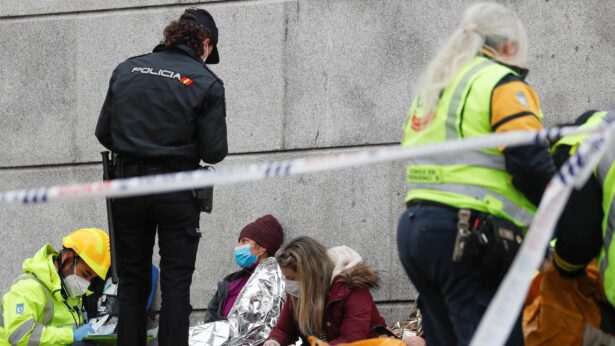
[{"x": 244, "y": 257}]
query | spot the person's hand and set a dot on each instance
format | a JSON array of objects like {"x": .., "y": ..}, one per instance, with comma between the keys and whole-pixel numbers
[
  {"x": 83, "y": 331},
  {"x": 414, "y": 341},
  {"x": 271, "y": 343}
]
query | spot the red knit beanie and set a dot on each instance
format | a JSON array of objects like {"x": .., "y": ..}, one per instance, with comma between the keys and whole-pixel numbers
[{"x": 266, "y": 231}]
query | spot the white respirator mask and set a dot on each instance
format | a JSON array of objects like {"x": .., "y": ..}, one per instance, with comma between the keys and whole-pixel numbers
[{"x": 75, "y": 285}]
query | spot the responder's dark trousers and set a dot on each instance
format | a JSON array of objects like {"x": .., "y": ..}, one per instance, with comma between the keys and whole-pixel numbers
[
  {"x": 176, "y": 218},
  {"x": 453, "y": 298}
]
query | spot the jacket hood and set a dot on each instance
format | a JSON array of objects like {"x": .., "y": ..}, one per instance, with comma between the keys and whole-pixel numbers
[
  {"x": 350, "y": 269},
  {"x": 41, "y": 265}
]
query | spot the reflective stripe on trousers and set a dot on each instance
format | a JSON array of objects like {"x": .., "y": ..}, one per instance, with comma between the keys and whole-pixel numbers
[{"x": 516, "y": 212}]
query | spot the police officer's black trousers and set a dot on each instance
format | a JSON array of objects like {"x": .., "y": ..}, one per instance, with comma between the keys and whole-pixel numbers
[
  {"x": 453, "y": 298},
  {"x": 176, "y": 218}
]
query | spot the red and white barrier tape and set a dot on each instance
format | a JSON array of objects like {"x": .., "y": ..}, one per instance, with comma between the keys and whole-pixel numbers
[{"x": 244, "y": 173}]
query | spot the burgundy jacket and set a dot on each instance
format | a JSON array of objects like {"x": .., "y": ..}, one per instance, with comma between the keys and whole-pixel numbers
[{"x": 351, "y": 314}]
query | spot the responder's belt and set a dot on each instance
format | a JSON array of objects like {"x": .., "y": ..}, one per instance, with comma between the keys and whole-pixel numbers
[
  {"x": 488, "y": 242},
  {"x": 423, "y": 202},
  {"x": 474, "y": 215}
]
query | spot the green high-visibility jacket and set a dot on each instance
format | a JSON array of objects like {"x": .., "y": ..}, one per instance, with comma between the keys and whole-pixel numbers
[
  {"x": 33, "y": 311},
  {"x": 478, "y": 179},
  {"x": 605, "y": 174}
]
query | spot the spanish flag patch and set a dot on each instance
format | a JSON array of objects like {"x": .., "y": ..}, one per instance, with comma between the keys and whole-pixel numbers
[{"x": 185, "y": 81}]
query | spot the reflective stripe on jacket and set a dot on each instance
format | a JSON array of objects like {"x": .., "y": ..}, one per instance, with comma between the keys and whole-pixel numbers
[{"x": 33, "y": 311}]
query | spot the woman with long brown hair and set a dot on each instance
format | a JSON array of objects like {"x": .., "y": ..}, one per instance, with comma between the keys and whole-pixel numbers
[{"x": 328, "y": 295}]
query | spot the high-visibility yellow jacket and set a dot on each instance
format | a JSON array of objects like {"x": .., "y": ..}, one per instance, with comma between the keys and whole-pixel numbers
[
  {"x": 33, "y": 311},
  {"x": 477, "y": 180}
]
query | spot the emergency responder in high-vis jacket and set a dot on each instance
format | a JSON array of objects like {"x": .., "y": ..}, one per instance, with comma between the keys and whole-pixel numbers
[
  {"x": 450, "y": 237},
  {"x": 43, "y": 306},
  {"x": 164, "y": 112},
  {"x": 581, "y": 283},
  {"x": 585, "y": 221}
]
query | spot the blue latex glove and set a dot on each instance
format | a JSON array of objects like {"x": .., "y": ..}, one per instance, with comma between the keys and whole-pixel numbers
[{"x": 82, "y": 332}]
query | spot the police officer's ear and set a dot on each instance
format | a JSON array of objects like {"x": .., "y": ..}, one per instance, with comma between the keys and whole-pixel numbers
[{"x": 207, "y": 48}]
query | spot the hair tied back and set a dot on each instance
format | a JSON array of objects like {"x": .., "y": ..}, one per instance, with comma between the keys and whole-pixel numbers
[{"x": 472, "y": 28}]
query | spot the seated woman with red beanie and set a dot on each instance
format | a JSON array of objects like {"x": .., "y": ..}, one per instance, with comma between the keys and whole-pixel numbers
[{"x": 257, "y": 241}]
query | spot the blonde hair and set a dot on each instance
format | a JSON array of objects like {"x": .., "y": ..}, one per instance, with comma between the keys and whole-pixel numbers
[
  {"x": 309, "y": 259},
  {"x": 484, "y": 25}
]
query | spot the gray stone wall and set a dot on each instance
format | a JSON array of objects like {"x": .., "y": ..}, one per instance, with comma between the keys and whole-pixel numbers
[{"x": 303, "y": 77}]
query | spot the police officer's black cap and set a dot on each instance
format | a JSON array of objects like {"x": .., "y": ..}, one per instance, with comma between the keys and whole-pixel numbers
[{"x": 205, "y": 19}]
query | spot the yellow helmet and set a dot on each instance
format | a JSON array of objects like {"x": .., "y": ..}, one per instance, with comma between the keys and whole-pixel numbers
[{"x": 92, "y": 245}]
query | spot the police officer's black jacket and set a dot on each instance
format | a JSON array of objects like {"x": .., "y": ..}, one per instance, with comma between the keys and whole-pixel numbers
[{"x": 165, "y": 106}]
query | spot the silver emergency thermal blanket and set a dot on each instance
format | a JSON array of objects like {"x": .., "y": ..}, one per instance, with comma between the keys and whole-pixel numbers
[
  {"x": 255, "y": 312},
  {"x": 106, "y": 322}
]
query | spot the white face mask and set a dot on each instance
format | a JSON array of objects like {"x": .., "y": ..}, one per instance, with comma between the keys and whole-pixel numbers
[
  {"x": 292, "y": 287},
  {"x": 76, "y": 286}
]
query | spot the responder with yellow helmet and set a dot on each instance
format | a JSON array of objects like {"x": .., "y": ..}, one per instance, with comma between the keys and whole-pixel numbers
[{"x": 43, "y": 306}]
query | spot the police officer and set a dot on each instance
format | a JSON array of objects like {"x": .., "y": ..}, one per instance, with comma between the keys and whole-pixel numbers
[
  {"x": 164, "y": 112},
  {"x": 474, "y": 86},
  {"x": 43, "y": 306}
]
